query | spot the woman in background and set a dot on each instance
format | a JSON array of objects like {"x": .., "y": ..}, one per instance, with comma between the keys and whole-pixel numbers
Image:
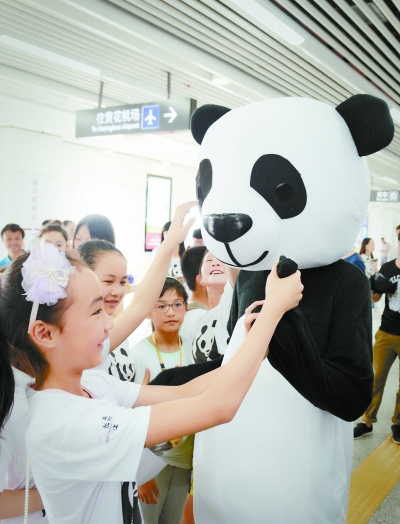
[
  {"x": 366, "y": 252},
  {"x": 93, "y": 226}
]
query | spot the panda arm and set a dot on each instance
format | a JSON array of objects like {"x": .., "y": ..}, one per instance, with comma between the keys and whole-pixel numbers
[
  {"x": 341, "y": 381},
  {"x": 182, "y": 375}
]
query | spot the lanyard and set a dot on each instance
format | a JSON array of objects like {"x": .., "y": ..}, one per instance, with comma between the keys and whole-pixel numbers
[{"x": 162, "y": 365}]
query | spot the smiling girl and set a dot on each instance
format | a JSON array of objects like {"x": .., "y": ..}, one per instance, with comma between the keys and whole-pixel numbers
[{"x": 82, "y": 437}]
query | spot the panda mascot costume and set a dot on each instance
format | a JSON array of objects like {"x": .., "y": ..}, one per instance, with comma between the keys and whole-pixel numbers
[{"x": 287, "y": 177}]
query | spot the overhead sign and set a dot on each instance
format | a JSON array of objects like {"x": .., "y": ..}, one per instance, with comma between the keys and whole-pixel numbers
[
  {"x": 385, "y": 196},
  {"x": 167, "y": 115}
]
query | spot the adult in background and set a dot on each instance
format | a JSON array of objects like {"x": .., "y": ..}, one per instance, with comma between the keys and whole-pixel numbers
[
  {"x": 394, "y": 253},
  {"x": 69, "y": 227},
  {"x": 13, "y": 237},
  {"x": 190, "y": 264},
  {"x": 367, "y": 255},
  {"x": 386, "y": 350},
  {"x": 197, "y": 239},
  {"x": 354, "y": 258},
  {"x": 93, "y": 226},
  {"x": 175, "y": 269},
  {"x": 385, "y": 248}
]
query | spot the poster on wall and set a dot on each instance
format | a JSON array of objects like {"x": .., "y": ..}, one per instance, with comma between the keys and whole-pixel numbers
[{"x": 158, "y": 209}]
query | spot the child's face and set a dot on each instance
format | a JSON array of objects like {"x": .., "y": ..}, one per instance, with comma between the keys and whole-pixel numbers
[
  {"x": 82, "y": 235},
  {"x": 169, "y": 320},
  {"x": 86, "y": 324},
  {"x": 55, "y": 238},
  {"x": 111, "y": 271},
  {"x": 213, "y": 272}
]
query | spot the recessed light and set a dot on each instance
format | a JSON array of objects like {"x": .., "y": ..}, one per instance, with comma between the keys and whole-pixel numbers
[
  {"x": 270, "y": 21},
  {"x": 219, "y": 80},
  {"x": 390, "y": 180}
]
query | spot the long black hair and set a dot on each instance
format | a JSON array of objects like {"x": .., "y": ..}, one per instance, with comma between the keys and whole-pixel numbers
[
  {"x": 99, "y": 227},
  {"x": 7, "y": 384},
  {"x": 91, "y": 251}
]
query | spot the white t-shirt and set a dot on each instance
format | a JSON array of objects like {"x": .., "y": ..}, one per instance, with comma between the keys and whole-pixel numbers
[
  {"x": 144, "y": 355},
  {"x": 369, "y": 266},
  {"x": 211, "y": 334},
  {"x": 174, "y": 269},
  {"x": 188, "y": 327},
  {"x": 106, "y": 350},
  {"x": 13, "y": 451},
  {"x": 82, "y": 449}
]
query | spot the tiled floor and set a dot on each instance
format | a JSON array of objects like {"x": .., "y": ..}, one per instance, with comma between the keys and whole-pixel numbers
[{"x": 374, "y": 482}]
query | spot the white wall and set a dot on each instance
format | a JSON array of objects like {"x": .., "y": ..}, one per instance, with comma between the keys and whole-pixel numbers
[
  {"x": 382, "y": 222},
  {"x": 45, "y": 175}
]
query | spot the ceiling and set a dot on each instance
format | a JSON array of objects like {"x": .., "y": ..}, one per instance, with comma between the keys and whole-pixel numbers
[{"x": 347, "y": 47}]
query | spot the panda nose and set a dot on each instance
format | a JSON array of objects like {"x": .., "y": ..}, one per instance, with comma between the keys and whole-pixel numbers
[{"x": 227, "y": 227}]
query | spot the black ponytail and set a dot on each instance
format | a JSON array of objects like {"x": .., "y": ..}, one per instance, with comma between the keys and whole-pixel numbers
[{"x": 7, "y": 384}]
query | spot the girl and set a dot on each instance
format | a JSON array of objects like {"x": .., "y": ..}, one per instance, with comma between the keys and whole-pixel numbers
[
  {"x": 175, "y": 269},
  {"x": 366, "y": 252},
  {"x": 56, "y": 235},
  {"x": 82, "y": 436},
  {"x": 164, "y": 349},
  {"x": 211, "y": 335},
  {"x": 13, "y": 412},
  {"x": 93, "y": 226}
]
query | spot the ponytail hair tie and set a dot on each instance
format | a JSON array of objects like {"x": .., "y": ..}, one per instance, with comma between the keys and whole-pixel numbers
[{"x": 45, "y": 276}]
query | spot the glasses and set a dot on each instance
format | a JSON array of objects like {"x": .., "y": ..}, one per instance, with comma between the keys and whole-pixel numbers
[{"x": 176, "y": 306}]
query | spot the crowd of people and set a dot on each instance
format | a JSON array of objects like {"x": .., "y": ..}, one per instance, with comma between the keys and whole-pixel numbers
[{"x": 64, "y": 330}]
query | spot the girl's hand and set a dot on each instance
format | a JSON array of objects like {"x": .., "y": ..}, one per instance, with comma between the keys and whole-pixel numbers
[
  {"x": 283, "y": 294},
  {"x": 178, "y": 231},
  {"x": 147, "y": 491},
  {"x": 250, "y": 316}
]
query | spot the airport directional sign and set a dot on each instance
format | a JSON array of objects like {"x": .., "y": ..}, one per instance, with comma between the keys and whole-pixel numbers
[
  {"x": 385, "y": 195},
  {"x": 167, "y": 115}
]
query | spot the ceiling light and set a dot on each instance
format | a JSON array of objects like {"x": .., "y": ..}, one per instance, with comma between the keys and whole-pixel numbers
[
  {"x": 395, "y": 114},
  {"x": 219, "y": 80},
  {"x": 49, "y": 55},
  {"x": 273, "y": 23},
  {"x": 388, "y": 179}
]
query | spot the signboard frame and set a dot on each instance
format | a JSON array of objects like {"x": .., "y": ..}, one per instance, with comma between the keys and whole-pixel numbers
[
  {"x": 149, "y": 244},
  {"x": 164, "y": 116}
]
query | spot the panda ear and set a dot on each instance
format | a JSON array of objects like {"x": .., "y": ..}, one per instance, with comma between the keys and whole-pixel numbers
[
  {"x": 203, "y": 118},
  {"x": 369, "y": 121}
]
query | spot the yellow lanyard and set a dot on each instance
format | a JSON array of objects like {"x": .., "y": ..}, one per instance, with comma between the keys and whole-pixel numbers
[{"x": 159, "y": 354}]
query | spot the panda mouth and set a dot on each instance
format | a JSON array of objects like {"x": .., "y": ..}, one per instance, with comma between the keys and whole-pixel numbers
[{"x": 237, "y": 264}]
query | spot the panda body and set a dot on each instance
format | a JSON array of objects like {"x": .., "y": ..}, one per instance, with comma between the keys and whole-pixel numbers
[{"x": 287, "y": 177}]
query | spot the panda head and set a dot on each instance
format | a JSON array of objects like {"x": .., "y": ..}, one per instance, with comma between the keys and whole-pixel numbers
[{"x": 286, "y": 177}]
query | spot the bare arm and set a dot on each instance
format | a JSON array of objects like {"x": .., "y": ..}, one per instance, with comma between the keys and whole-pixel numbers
[
  {"x": 227, "y": 388},
  {"x": 12, "y": 503},
  {"x": 150, "y": 288},
  {"x": 375, "y": 296}
]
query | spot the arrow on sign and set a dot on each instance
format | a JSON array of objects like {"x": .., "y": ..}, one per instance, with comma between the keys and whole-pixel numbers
[{"x": 172, "y": 115}]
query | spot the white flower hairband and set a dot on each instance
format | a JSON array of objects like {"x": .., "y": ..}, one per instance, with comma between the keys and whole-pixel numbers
[{"x": 45, "y": 276}]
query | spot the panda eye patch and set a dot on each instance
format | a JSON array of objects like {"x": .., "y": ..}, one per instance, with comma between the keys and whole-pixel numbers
[
  {"x": 280, "y": 184},
  {"x": 203, "y": 180}
]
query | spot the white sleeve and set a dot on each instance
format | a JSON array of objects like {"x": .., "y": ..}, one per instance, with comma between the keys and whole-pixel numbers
[
  {"x": 103, "y": 385},
  {"x": 5, "y": 458},
  {"x": 224, "y": 310},
  {"x": 105, "y": 443}
]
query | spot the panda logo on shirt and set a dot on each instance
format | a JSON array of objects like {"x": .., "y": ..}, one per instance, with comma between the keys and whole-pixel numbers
[
  {"x": 205, "y": 345},
  {"x": 121, "y": 366}
]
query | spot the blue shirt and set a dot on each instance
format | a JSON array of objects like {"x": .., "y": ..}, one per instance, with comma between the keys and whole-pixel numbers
[
  {"x": 5, "y": 262},
  {"x": 357, "y": 261}
]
